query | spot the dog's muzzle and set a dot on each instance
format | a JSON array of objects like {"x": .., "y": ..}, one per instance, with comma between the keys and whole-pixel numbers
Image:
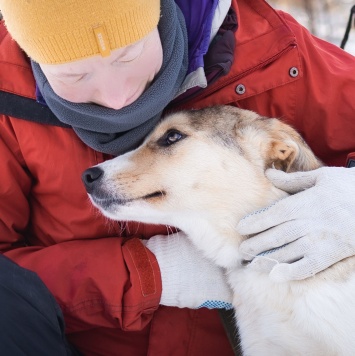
[{"x": 93, "y": 179}]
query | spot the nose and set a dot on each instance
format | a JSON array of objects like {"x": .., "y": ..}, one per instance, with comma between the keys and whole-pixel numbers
[
  {"x": 115, "y": 103},
  {"x": 91, "y": 177},
  {"x": 109, "y": 96}
]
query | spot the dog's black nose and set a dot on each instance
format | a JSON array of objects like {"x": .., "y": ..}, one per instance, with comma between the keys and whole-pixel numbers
[{"x": 91, "y": 177}]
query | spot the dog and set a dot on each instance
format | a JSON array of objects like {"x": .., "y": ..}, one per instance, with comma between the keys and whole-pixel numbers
[{"x": 202, "y": 171}]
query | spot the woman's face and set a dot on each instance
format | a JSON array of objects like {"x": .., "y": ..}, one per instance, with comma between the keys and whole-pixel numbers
[{"x": 114, "y": 81}]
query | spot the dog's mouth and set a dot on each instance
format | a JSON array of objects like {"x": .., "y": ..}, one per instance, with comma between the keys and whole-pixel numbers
[{"x": 106, "y": 201}]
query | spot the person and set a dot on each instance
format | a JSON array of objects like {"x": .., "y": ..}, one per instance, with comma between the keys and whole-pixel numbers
[{"x": 83, "y": 81}]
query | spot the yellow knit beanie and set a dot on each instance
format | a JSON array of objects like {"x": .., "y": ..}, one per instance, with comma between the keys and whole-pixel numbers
[{"x": 59, "y": 31}]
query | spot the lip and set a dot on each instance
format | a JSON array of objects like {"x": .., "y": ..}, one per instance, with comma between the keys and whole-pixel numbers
[{"x": 106, "y": 202}]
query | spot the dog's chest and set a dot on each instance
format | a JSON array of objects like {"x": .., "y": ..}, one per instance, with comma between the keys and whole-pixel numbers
[{"x": 277, "y": 313}]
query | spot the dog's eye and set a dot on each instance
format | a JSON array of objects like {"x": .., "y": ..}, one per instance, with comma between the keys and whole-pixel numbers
[
  {"x": 173, "y": 137},
  {"x": 170, "y": 138}
]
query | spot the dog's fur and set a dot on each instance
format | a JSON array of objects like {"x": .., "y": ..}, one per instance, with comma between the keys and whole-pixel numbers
[{"x": 202, "y": 171}]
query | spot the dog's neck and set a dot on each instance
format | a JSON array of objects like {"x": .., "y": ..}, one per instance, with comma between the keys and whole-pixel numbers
[{"x": 216, "y": 235}]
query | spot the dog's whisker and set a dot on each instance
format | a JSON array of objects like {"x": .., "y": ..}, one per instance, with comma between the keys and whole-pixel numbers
[{"x": 138, "y": 226}]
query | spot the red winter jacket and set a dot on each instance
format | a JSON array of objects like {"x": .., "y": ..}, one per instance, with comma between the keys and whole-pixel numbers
[{"x": 107, "y": 284}]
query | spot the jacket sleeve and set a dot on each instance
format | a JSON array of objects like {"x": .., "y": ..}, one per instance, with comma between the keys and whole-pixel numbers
[{"x": 108, "y": 282}]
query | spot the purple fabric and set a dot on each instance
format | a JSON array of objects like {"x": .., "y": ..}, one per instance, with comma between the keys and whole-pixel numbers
[
  {"x": 198, "y": 17},
  {"x": 219, "y": 58},
  {"x": 39, "y": 96}
]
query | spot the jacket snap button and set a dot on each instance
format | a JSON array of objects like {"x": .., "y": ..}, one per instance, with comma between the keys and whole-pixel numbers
[
  {"x": 293, "y": 72},
  {"x": 240, "y": 89}
]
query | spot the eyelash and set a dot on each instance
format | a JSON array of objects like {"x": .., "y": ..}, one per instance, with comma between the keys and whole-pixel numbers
[
  {"x": 76, "y": 80},
  {"x": 123, "y": 60},
  {"x": 80, "y": 78},
  {"x": 127, "y": 60}
]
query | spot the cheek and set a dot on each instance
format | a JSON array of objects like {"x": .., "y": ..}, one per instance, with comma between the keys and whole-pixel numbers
[
  {"x": 158, "y": 59},
  {"x": 151, "y": 61},
  {"x": 75, "y": 94}
]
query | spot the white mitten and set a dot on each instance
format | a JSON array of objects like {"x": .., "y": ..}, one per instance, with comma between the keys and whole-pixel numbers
[
  {"x": 306, "y": 232},
  {"x": 189, "y": 280}
]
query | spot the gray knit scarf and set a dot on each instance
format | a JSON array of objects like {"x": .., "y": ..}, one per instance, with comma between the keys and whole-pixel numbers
[{"x": 118, "y": 131}]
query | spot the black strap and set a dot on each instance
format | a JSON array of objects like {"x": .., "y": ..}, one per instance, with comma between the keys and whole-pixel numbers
[
  {"x": 351, "y": 163},
  {"x": 228, "y": 321},
  {"x": 27, "y": 109},
  {"x": 348, "y": 28}
]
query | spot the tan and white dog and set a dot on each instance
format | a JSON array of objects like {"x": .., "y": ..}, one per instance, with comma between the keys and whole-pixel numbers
[{"x": 202, "y": 171}]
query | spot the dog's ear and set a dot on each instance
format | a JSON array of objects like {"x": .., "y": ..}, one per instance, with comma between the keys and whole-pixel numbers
[{"x": 287, "y": 151}]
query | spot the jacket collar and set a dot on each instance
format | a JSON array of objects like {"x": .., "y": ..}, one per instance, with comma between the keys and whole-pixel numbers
[{"x": 264, "y": 56}]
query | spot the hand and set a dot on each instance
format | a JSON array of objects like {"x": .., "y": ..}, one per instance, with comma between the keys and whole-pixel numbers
[
  {"x": 189, "y": 280},
  {"x": 315, "y": 227}
]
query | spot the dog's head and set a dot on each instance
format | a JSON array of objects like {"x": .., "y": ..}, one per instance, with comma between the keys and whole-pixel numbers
[{"x": 199, "y": 166}]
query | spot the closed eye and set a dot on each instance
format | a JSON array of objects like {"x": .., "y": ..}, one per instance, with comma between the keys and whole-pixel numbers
[
  {"x": 170, "y": 137},
  {"x": 72, "y": 78},
  {"x": 128, "y": 58},
  {"x": 132, "y": 53}
]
